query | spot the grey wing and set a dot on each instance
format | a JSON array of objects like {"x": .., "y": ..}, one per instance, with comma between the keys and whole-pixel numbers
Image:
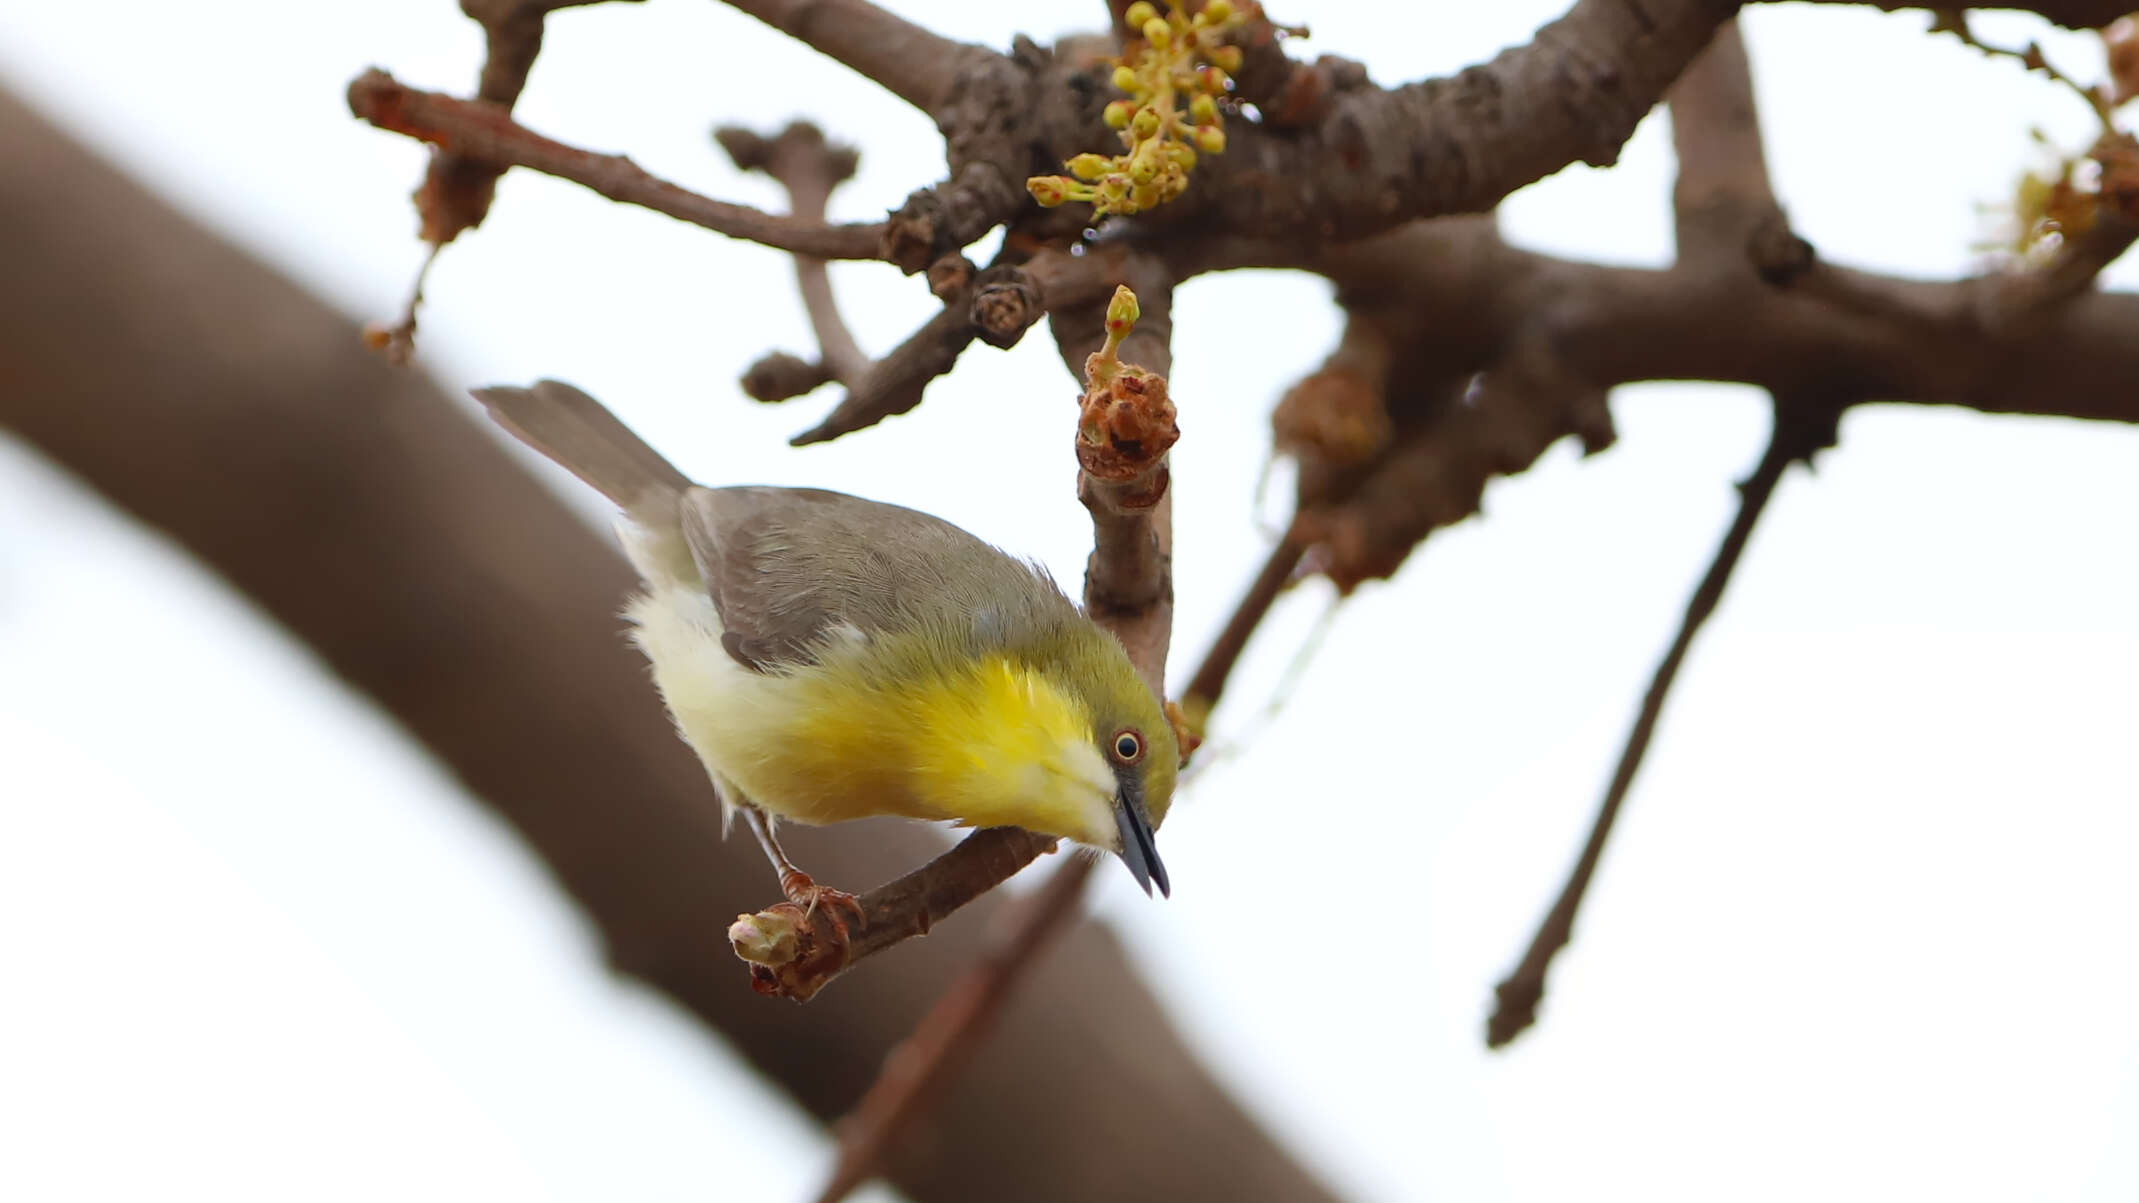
[{"x": 786, "y": 567}]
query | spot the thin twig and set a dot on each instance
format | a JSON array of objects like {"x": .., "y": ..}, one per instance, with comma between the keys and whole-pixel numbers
[
  {"x": 948, "y": 1036},
  {"x": 794, "y": 952},
  {"x": 1208, "y": 685},
  {"x": 894, "y": 384},
  {"x": 1795, "y": 436},
  {"x": 1955, "y": 22},
  {"x": 483, "y": 132},
  {"x": 809, "y": 168}
]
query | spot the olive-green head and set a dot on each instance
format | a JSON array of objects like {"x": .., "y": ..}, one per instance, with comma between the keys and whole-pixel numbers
[{"x": 1135, "y": 742}]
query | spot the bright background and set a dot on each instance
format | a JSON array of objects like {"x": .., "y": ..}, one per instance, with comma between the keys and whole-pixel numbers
[{"x": 1865, "y": 929}]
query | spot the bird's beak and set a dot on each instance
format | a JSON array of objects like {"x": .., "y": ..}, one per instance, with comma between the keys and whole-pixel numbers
[{"x": 1138, "y": 851}]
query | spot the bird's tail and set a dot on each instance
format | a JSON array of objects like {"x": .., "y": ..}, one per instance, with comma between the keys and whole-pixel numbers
[{"x": 588, "y": 441}]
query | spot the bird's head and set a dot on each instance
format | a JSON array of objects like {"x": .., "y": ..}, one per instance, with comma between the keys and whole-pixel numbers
[
  {"x": 1066, "y": 742},
  {"x": 1120, "y": 750},
  {"x": 1136, "y": 744}
]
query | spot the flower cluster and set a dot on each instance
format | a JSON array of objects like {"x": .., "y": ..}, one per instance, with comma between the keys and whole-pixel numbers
[{"x": 1174, "y": 78}]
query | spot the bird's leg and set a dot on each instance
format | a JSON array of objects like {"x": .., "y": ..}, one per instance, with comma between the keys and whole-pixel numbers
[{"x": 797, "y": 885}]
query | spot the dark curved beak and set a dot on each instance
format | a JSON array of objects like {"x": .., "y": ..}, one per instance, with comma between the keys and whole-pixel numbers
[{"x": 1138, "y": 851}]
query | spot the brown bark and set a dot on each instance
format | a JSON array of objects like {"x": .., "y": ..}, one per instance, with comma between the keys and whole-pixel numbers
[{"x": 359, "y": 507}]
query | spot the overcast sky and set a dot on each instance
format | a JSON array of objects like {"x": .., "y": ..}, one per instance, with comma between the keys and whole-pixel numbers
[{"x": 1865, "y": 929}]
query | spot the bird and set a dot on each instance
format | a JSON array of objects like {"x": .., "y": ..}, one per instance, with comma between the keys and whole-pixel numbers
[{"x": 830, "y": 657}]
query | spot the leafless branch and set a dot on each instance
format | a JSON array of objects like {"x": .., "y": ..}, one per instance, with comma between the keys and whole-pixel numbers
[
  {"x": 893, "y": 385},
  {"x": 1800, "y": 429},
  {"x": 919, "y": 67},
  {"x": 793, "y": 952},
  {"x": 482, "y": 132},
  {"x": 809, "y": 168},
  {"x": 1723, "y": 190},
  {"x": 1207, "y": 687},
  {"x": 1124, "y": 434},
  {"x": 953, "y": 1029}
]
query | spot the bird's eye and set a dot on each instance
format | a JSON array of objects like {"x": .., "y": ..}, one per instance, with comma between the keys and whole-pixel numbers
[{"x": 1128, "y": 746}]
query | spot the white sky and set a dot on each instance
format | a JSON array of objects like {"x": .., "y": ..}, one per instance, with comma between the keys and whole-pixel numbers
[{"x": 1864, "y": 930}]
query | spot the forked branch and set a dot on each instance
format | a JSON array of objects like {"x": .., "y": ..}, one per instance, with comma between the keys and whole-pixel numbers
[{"x": 483, "y": 133}]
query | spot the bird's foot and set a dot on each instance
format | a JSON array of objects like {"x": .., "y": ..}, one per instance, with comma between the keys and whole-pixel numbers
[{"x": 842, "y": 910}]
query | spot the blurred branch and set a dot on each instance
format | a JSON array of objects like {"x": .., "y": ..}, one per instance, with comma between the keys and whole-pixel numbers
[
  {"x": 2017, "y": 300},
  {"x": 953, "y": 1029},
  {"x": 919, "y": 67},
  {"x": 480, "y": 131},
  {"x": 1207, "y": 687},
  {"x": 1722, "y": 191},
  {"x": 1800, "y": 429}
]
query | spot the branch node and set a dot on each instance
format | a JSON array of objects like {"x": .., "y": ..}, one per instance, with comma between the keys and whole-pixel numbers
[{"x": 780, "y": 376}]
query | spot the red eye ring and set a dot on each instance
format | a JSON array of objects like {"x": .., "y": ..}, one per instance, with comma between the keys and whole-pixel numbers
[{"x": 1127, "y": 746}]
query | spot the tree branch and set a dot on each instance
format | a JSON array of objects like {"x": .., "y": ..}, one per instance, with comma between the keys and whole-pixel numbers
[
  {"x": 1123, "y": 438},
  {"x": 809, "y": 168},
  {"x": 894, "y": 384},
  {"x": 952, "y": 1031},
  {"x": 1722, "y": 192},
  {"x": 1207, "y": 686},
  {"x": 919, "y": 67},
  {"x": 1800, "y": 429},
  {"x": 1382, "y": 157},
  {"x": 482, "y": 132},
  {"x": 2017, "y": 300}
]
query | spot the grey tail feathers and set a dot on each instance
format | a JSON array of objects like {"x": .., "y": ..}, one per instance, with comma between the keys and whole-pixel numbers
[{"x": 588, "y": 441}]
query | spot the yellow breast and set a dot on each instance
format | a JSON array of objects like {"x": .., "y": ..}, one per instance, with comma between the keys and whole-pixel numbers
[{"x": 886, "y": 725}]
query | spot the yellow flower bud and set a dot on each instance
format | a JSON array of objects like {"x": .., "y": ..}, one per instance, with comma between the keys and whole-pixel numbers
[
  {"x": 1090, "y": 167},
  {"x": 1139, "y": 13},
  {"x": 1218, "y": 11},
  {"x": 1123, "y": 310},
  {"x": 1049, "y": 190},
  {"x": 1227, "y": 58},
  {"x": 1210, "y": 139},
  {"x": 1203, "y": 110},
  {"x": 1125, "y": 81},
  {"x": 1158, "y": 33},
  {"x": 1118, "y": 113},
  {"x": 1145, "y": 123}
]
